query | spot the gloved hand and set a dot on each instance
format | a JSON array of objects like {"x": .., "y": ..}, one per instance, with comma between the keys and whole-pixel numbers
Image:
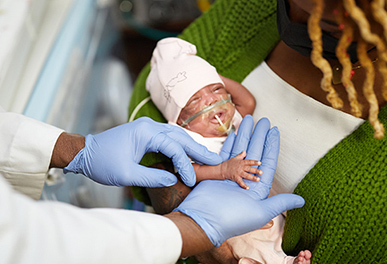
[
  {"x": 112, "y": 157},
  {"x": 222, "y": 208}
]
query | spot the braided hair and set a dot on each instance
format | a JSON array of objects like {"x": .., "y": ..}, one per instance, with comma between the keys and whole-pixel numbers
[{"x": 351, "y": 15}]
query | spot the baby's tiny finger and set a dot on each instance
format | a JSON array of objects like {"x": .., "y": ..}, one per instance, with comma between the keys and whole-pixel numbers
[
  {"x": 242, "y": 155},
  {"x": 253, "y": 170},
  {"x": 252, "y": 162},
  {"x": 242, "y": 184},
  {"x": 250, "y": 177}
]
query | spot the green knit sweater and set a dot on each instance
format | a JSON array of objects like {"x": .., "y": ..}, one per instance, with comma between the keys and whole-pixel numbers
[{"x": 344, "y": 218}]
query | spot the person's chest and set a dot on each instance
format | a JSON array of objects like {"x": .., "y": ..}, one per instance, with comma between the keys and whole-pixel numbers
[{"x": 308, "y": 128}]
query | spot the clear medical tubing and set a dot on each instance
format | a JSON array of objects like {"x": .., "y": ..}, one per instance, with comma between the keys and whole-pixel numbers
[{"x": 226, "y": 125}]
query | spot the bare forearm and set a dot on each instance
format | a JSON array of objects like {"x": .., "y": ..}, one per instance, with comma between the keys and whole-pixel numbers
[
  {"x": 66, "y": 147},
  {"x": 195, "y": 240}
]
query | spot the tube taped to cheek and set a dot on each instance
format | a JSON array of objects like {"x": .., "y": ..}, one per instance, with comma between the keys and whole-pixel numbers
[{"x": 225, "y": 126}]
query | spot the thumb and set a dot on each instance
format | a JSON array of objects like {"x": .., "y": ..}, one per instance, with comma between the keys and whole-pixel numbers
[
  {"x": 172, "y": 149},
  {"x": 150, "y": 177},
  {"x": 282, "y": 202}
]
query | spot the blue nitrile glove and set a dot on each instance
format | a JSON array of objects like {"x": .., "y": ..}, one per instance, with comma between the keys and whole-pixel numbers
[
  {"x": 112, "y": 157},
  {"x": 222, "y": 208}
]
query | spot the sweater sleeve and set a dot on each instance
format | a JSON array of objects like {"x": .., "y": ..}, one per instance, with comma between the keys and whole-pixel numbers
[{"x": 26, "y": 147}]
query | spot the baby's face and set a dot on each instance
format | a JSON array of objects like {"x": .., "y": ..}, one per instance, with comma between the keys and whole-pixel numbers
[{"x": 207, "y": 124}]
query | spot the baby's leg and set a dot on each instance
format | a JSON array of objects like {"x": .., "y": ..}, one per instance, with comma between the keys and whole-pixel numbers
[{"x": 303, "y": 257}]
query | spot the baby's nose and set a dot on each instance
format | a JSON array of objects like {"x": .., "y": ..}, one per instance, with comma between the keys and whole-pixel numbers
[{"x": 212, "y": 98}]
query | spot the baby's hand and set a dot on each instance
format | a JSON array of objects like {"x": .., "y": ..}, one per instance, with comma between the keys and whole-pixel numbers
[{"x": 237, "y": 169}]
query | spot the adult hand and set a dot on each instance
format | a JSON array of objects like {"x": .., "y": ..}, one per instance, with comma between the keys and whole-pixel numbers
[
  {"x": 222, "y": 208},
  {"x": 112, "y": 157}
]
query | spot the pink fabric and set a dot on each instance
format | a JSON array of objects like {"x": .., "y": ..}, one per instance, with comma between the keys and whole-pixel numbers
[
  {"x": 263, "y": 245},
  {"x": 177, "y": 74}
]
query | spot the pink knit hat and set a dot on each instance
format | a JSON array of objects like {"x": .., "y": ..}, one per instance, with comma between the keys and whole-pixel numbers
[{"x": 177, "y": 74}]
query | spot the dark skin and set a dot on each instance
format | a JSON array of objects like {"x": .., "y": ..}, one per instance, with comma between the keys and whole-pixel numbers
[
  {"x": 164, "y": 200},
  {"x": 66, "y": 147},
  {"x": 294, "y": 74},
  {"x": 292, "y": 66},
  {"x": 298, "y": 71}
]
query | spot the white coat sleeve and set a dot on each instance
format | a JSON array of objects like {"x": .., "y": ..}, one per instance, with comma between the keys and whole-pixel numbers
[
  {"x": 26, "y": 146},
  {"x": 53, "y": 232}
]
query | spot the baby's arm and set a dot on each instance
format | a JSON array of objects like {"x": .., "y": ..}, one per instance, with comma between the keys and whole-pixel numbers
[
  {"x": 242, "y": 98},
  {"x": 235, "y": 169}
]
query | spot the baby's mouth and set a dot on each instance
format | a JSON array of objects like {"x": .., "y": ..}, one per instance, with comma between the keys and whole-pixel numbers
[
  {"x": 222, "y": 121},
  {"x": 219, "y": 117}
]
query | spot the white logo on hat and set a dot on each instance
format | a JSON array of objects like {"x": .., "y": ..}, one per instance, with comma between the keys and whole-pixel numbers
[{"x": 172, "y": 83}]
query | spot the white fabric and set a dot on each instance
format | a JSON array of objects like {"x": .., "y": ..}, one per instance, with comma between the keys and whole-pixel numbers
[
  {"x": 308, "y": 130},
  {"x": 13, "y": 20},
  {"x": 177, "y": 74},
  {"x": 25, "y": 152},
  {"x": 213, "y": 144},
  {"x": 53, "y": 232}
]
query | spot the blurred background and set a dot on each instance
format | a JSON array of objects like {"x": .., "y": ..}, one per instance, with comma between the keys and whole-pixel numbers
[{"x": 72, "y": 64}]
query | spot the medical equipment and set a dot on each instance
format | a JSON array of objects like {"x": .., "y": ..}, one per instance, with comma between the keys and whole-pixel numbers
[{"x": 222, "y": 109}]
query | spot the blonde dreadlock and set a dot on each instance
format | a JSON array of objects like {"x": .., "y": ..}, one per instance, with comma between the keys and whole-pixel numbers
[
  {"x": 349, "y": 16},
  {"x": 341, "y": 53},
  {"x": 380, "y": 16},
  {"x": 316, "y": 55},
  {"x": 360, "y": 19}
]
